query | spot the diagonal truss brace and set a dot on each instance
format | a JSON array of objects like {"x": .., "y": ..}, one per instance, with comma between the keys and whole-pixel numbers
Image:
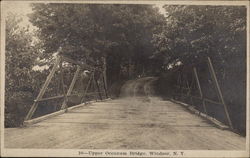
[
  {"x": 202, "y": 97},
  {"x": 57, "y": 65},
  {"x": 72, "y": 84},
  {"x": 41, "y": 93}
]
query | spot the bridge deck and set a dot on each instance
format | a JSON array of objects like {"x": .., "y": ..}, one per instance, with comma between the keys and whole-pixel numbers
[{"x": 133, "y": 123}]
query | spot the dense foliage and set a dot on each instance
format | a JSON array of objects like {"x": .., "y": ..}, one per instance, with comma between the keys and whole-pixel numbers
[
  {"x": 134, "y": 40},
  {"x": 121, "y": 34},
  {"x": 193, "y": 33},
  {"x": 20, "y": 58}
]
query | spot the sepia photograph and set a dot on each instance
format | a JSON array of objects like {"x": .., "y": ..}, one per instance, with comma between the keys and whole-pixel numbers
[{"x": 125, "y": 78}]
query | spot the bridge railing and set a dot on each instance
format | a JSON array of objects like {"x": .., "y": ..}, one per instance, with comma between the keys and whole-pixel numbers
[
  {"x": 68, "y": 79},
  {"x": 189, "y": 89}
]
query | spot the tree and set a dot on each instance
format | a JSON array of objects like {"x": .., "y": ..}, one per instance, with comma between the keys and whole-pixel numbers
[
  {"x": 193, "y": 33},
  {"x": 20, "y": 58},
  {"x": 121, "y": 34}
]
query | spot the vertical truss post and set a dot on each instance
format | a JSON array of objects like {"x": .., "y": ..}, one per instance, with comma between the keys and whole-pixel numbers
[
  {"x": 42, "y": 91},
  {"x": 219, "y": 93},
  {"x": 178, "y": 86},
  {"x": 104, "y": 86},
  {"x": 98, "y": 88},
  {"x": 86, "y": 89},
  {"x": 191, "y": 86},
  {"x": 72, "y": 84},
  {"x": 186, "y": 87},
  {"x": 181, "y": 86},
  {"x": 94, "y": 85},
  {"x": 65, "y": 100},
  {"x": 200, "y": 91},
  {"x": 189, "y": 91},
  {"x": 105, "y": 76}
]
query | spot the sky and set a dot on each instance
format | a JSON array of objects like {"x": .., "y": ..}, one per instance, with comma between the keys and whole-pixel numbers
[
  {"x": 20, "y": 8},
  {"x": 161, "y": 9}
]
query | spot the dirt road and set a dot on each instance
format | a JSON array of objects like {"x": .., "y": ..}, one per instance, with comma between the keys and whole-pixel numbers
[{"x": 138, "y": 120}]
